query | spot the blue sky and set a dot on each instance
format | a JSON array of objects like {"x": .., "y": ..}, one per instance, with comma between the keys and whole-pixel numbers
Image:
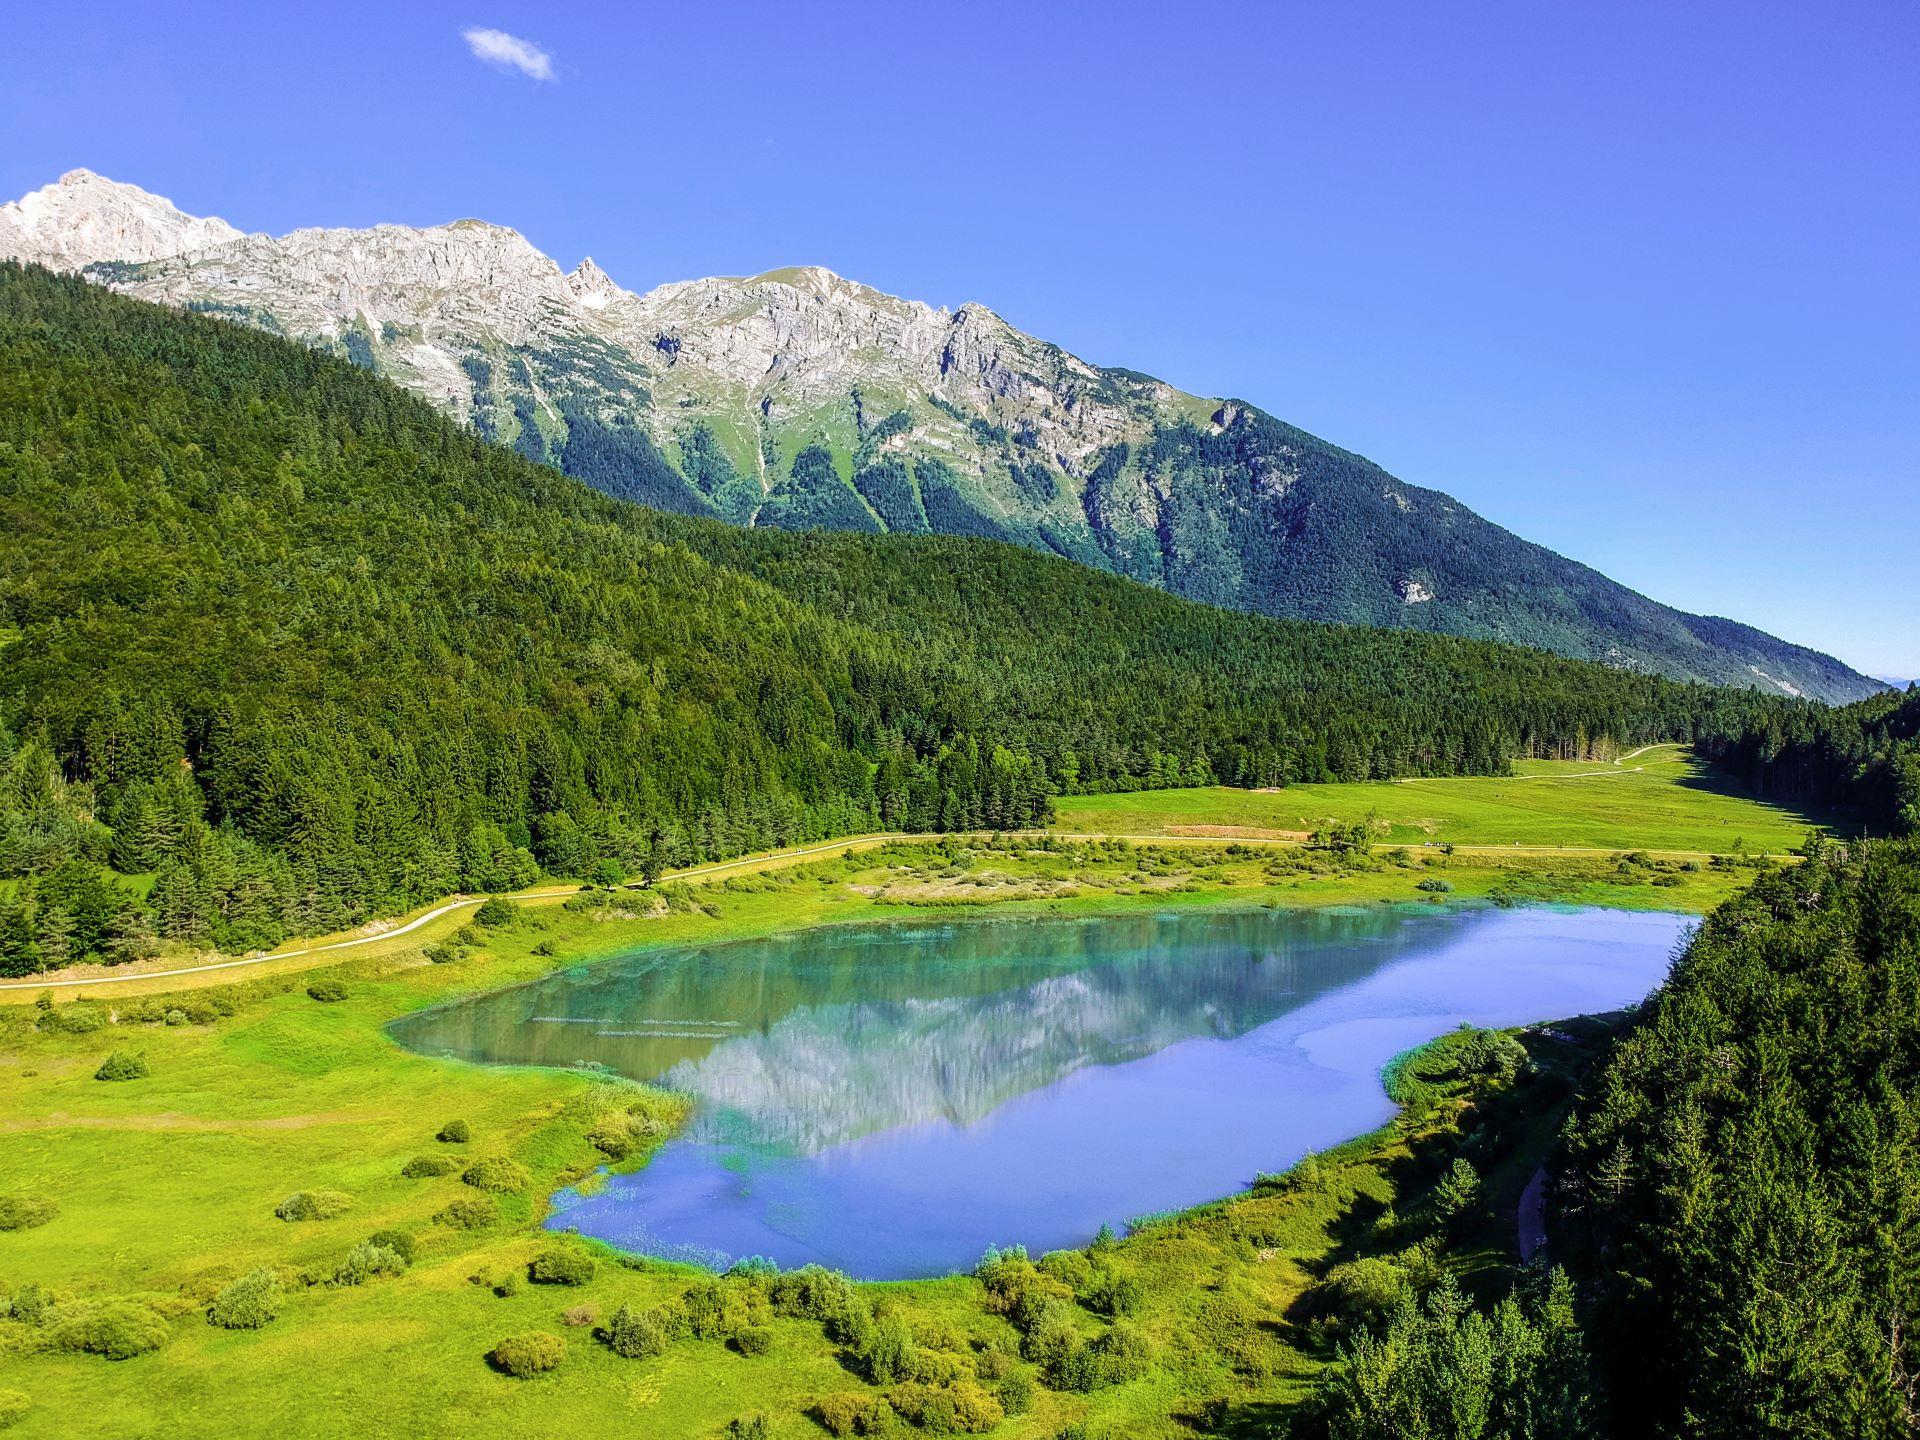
[{"x": 1635, "y": 280}]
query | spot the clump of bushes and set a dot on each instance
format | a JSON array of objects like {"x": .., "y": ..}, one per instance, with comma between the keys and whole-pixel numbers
[
  {"x": 561, "y": 1265},
  {"x": 313, "y": 1205},
  {"x": 455, "y": 1132},
  {"x": 122, "y": 1066},
  {"x": 747, "y": 1427},
  {"x": 531, "y": 1353},
  {"x": 845, "y": 1413},
  {"x": 25, "y": 1212},
  {"x": 14, "y": 1405},
  {"x": 82, "y": 1017},
  {"x": 497, "y": 1174},
  {"x": 248, "y": 1303},
  {"x": 30, "y": 1305},
  {"x": 423, "y": 1167},
  {"x": 960, "y": 1409},
  {"x": 369, "y": 1260},
  {"x": 471, "y": 1212},
  {"x": 638, "y": 1334},
  {"x": 579, "y": 1315},
  {"x": 398, "y": 1241},
  {"x": 327, "y": 992},
  {"x": 115, "y": 1329},
  {"x": 1434, "y": 885}
]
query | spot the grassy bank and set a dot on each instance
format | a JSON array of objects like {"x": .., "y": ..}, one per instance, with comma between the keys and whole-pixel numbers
[{"x": 166, "y": 1186}]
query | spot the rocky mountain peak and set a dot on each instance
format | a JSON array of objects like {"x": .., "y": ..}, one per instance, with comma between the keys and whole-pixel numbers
[
  {"x": 593, "y": 287},
  {"x": 83, "y": 218}
]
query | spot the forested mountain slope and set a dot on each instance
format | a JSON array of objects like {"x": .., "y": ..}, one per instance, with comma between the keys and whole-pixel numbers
[
  {"x": 1741, "y": 1185},
  {"x": 800, "y": 400},
  {"x": 284, "y": 634}
]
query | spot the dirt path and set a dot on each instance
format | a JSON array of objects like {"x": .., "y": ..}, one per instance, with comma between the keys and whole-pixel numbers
[{"x": 1532, "y": 1219}]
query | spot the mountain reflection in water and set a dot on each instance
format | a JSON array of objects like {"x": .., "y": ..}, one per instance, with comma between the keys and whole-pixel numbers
[{"x": 890, "y": 1099}]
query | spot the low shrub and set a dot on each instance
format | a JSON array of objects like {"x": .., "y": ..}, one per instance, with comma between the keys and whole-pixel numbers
[
  {"x": 248, "y": 1303},
  {"x": 1366, "y": 1291},
  {"x": 748, "y": 1427},
  {"x": 455, "y": 1132},
  {"x": 368, "y": 1261},
  {"x": 25, "y": 1212},
  {"x": 82, "y": 1017},
  {"x": 638, "y": 1334},
  {"x": 845, "y": 1413},
  {"x": 398, "y": 1241},
  {"x": 579, "y": 1315},
  {"x": 471, "y": 1212},
  {"x": 116, "y": 1329},
  {"x": 442, "y": 954},
  {"x": 1015, "y": 1392},
  {"x": 497, "y": 1174},
  {"x": 30, "y": 1305},
  {"x": 174, "y": 1017},
  {"x": 122, "y": 1066},
  {"x": 531, "y": 1353},
  {"x": 890, "y": 1353},
  {"x": 752, "y": 1340},
  {"x": 962, "y": 1409},
  {"x": 14, "y": 1405},
  {"x": 327, "y": 992},
  {"x": 1434, "y": 885},
  {"x": 313, "y": 1205},
  {"x": 561, "y": 1265},
  {"x": 423, "y": 1167}
]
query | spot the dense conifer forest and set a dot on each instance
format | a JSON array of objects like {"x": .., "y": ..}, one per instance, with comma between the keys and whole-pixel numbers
[
  {"x": 1743, "y": 1179},
  {"x": 1863, "y": 758},
  {"x": 301, "y": 649}
]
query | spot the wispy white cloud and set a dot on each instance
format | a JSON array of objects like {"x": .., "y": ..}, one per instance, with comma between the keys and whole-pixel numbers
[{"x": 509, "y": 52}]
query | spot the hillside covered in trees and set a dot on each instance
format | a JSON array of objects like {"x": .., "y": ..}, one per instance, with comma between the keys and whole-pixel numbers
[
  {"x": 1863, "y": 758},
  {"x": 1742, "y": 1180},
  {"x": 278, "y": 634}
]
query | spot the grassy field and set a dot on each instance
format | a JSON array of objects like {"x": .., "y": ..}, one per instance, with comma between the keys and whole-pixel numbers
[
  {"x": 1660, "y": 800},
  {"x": 166, "y": 1185}
]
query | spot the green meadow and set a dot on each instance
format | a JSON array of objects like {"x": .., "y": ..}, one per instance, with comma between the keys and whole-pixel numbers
[
  {"x": 164, "y": 1188},
  {"x": 1661, "y": 799}
]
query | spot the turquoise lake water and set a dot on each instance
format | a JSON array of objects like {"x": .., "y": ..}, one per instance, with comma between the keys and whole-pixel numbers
[{"x": 891, "y": 1099}]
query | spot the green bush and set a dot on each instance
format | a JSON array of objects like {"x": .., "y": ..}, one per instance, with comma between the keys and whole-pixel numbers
[
  {"x": 1015, "y": 1392},
  {"x": 497, "y": 1174},
  {"x": 30, "y": 1305},
  {"x": 441, "y": 954},
  {"x": 327, "y": 991},
  {"x": 398, "y": 1241},
  {"x": 368, "y": 1261},
  {"x": 455, "y": 1132},
  {"x": 116, "y": 1329},
  {"x": 1365, "y": 1292},
  {"x": 561, "y": 1265},
  {"x": 122, "y": 1066},
  {"x": 174, "y": 1017},
  {"x": 527, "y": 1354},
  {"x": 638, "y": 1334},
  {"x": 82, "y": 1017},
  {"x": 13, "y": 1408},
  {"x": 472, "y": 1212},
  {"x": 753, "y": 1340},
  {"x": 423, "y": 1167},
  {"x": 25, "y": 1212},
  {"x": 313, "y": 1205},
  {"x": 845, "y": 1413},
  {"x": 495, "y": 913},
  {"x": 962, "y": 1409},
  {"x": 890, "y": 1353},
  {"x": 248, "y": 1303},
  {"x": 1434, "y": 885},
  {"x": 747, "y": 1427}
]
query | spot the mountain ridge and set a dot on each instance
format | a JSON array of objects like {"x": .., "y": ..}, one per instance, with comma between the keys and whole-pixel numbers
[{"x": 800, "y": 399}]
